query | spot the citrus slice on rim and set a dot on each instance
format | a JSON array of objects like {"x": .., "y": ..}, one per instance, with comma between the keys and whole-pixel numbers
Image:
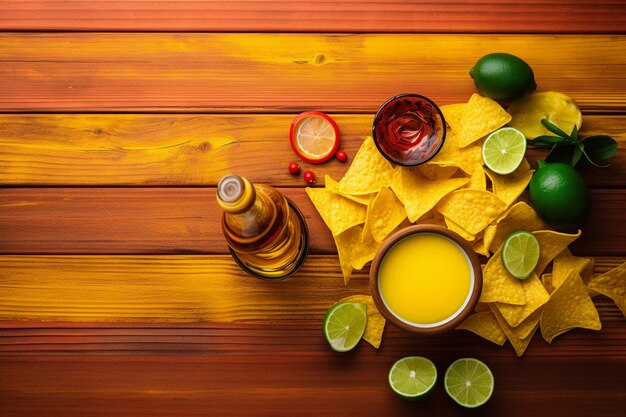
[{"x": 314, "y": 136}]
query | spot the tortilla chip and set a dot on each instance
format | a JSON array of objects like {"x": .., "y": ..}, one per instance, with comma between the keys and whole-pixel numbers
[
  {"x": 364, "y": 249},
  {"x": 452, "y": 155},
  {"x": 339, "y": 213},
  {"x": 420, "y": 195},
  {"x": 523, "y": 330},
  {"x": 368, "y": 218},
  {"x": 546, "y": 280},
  {"x": 509, "y": 187},
  {"x": 565, "y": 262},
  {"x": 518, "y": 344},
  {"x": 536, "y": 296},
  {"x": 551, "y": 243},
  {"x": 480, "y": 248},
  {"x": 569, "y": 307},
  {"x": 332, "y": 185},
  {"x": 519, "y": 217},
  {"x": 368, "y": 172},
  {"x": 484, "y": 325},
  {"x": 375, "y": 321},
  {"x": 481, "y": 117},
  {"x": 387, "y": 212},
  {"x": 478, "y": 180},
  {"x": 435, "y": 172},
  {"x": 344, "y": 243},
  {"x": 459, "y": 230},
  {"x": 453, "y": 114},
  {"x": 473, "y": 210},
  {"x": 613, "y": 285},
  {"x": 499, "y": 285}
]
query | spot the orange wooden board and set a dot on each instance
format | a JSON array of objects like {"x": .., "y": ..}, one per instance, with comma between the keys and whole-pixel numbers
[
  {"x": 320, "y": 16},
  {"x": 226, "y": 72}
]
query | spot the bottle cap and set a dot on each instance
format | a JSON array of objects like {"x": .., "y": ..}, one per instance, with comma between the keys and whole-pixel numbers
[{"x": 235, "y": 193}]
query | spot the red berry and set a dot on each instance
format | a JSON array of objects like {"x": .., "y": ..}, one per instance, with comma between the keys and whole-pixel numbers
[
  {"x": 309, "y": 177},
  {"x": 341, "y": 156},
  {"x": 294, "y": 168}
]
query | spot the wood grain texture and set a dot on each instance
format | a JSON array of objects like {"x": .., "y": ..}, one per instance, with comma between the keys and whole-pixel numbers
[
  {"x": 286, "y": 72},
  {"x": 530, "y": 16},
  {"x": 179, "y": 149},
  {"x": 278, "y": 384},
  {"x": 187, "y": 220},
  {"x": 174, "y": 289}
]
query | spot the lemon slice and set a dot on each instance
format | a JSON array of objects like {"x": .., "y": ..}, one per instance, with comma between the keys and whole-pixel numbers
[
  {"x": 558, "y": 108},
  {"x": 314, "y": 136}
]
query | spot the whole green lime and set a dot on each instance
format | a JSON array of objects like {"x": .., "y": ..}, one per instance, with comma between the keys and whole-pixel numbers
[
  {"x": 503, "y": 77},
  {"x": 559, "y": 196}
]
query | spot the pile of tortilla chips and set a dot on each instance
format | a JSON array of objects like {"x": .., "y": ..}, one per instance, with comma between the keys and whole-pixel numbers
[{"x": 374, "y": 199}]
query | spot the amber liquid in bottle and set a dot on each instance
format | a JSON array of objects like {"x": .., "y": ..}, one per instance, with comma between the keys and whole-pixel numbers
[{"x": 263, "y": 232}]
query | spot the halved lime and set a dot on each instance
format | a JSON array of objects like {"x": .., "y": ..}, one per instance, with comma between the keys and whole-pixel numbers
[
  {"x": 504, "y": 150},
  {"x": 469, "y": 382},
  {"x": 412, "y": 377},
  {"x": 520, "y": 254},
  {"x": 344, "y": 325}
]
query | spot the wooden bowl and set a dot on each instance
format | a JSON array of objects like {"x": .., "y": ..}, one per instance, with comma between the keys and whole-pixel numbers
[{"x": 460, "y": 315}]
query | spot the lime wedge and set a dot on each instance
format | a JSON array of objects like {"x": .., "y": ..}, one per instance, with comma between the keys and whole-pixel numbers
[
  {"x": 412, "y": 377},
  {"x": 344, "y": 325},
  {"x": 520, "y": 254},
  {"x": 503, "y": 150},
  {"x": 469, "y": 382}
]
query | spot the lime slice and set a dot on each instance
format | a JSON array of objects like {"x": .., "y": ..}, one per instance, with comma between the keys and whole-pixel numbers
[
  {"x": 314, "y": 136},
  {"x": 344, "y": 325},
  {"x": 503, "y": 150},
  {"x": 520, "y": 254},
  {"x": 469, "y": 382},
  {"x": 412, "y": 377},
  {"x": 561, "y": 110}
]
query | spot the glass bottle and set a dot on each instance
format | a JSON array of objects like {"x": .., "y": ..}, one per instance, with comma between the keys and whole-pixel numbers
[{"x": 266, "y": 233}]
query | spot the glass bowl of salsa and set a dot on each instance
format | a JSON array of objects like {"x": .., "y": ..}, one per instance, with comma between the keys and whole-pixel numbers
[{"x": 409, "y": 129}]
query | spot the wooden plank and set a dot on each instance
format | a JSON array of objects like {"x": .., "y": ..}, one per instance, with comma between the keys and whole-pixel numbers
[
  {"x": 177, "y": 149},
  {"x": 530, "y": 16},
  {"x": 313, "y": 383},
  {"x": 217, "y": 72},
  {"x": 187, "y": 220},
  {"x": 174, "y": 289}
]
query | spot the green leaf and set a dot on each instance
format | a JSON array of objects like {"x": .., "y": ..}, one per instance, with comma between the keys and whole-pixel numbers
[
  {"x": 600, "y": 147},
  {"x": 578, "y": 152},
  {"x": 591, "y": 160},
  {"x": 574, "y": 134},
  {"x": 547, "y": 140},
  {"x": 555, "y": 129},
  {"x": 563, "y": 154}
]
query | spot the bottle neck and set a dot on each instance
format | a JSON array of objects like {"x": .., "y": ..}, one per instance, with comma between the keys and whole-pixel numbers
[{"x": 235, "y": 194}]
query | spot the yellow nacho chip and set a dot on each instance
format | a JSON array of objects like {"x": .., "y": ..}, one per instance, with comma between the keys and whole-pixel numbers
[
  {"x": 434, "y": 172},
  {"x": 482, "y": 116},
  {"x": 536, "y": 296},
  {"x": 459, "y": 230},
  {"x": 613, "y": 285},
  {"x": 480, "y": 248},
  {"x": 473, "y": 210},
  {"x": 546, "y": 280},
  {"x": 364, "y": 249},
  {"x": 420, "y": 195},
  {"x": 551, "y": 243},
  {"x": 339, "y": 213},
  {"x": 453, "y": 155},
  {"x": 530, "y": 324},
  {"x": 375, "y": 321},
  {"x": 565, "y": 262},
  {"x": 569, "y": 307},
  {"x": 368, "y": 172},
  {"x": 478, "y": 180},
  {"x": 485, "y": 325},
  {"x": 519, "y": 217},
  {"x": 332, "y": 185},
  {"x": 518, "y": 344},
  {"x": 387, "y": 212},
  {"x": 499, "y": 285},
  {"x": 344, "y": 243},
  {"x": 509, "y": 187},
  {"x": 453, "y": 114},
  {"x": 368, "y": 218}
]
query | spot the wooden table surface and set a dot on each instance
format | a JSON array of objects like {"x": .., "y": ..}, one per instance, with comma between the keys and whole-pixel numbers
[{"x": 118, "y": 117}]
